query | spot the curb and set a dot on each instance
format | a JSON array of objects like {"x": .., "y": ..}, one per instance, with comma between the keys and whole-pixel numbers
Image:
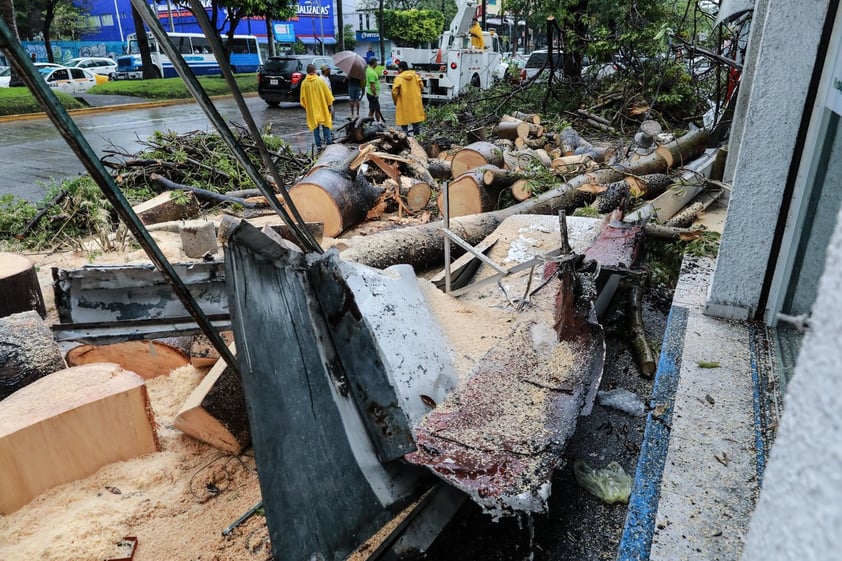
[{"x": 117, "y": 107}]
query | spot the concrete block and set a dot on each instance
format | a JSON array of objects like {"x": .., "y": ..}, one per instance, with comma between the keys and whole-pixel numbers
[{"x": 199, "y": 239}]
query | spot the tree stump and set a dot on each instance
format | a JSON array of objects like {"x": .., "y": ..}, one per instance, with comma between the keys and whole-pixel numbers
[
  {"x": 19, "y": 288},
  {"x": 165, "y": 208},
  {"x": 27, "y": 351},
  {"x": 68, "y": 425}
]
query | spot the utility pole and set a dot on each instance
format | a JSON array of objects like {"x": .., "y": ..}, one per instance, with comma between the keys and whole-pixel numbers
[{"x": 340, "y": 31}]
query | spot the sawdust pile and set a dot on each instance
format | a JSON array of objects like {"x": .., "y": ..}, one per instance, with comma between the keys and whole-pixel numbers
[{"x": 176, "y": 502}]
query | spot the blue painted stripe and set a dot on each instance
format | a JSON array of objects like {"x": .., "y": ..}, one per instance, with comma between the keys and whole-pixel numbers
[
  {"x": 759, "y": 424},
  {"x": 636, "y": 543}
]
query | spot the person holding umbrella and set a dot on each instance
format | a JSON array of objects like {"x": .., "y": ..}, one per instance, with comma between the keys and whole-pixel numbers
[
  {"x": 406, "y": 93},
  {"x": 317, "y": 102},
  {"x": 355, "y": 67}
]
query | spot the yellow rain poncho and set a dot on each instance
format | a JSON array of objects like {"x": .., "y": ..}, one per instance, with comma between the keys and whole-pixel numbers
[
  {"x": 475, "y": 32},
  {"x": 316, "y": 100},
  {"x": 406, "y": 93}
]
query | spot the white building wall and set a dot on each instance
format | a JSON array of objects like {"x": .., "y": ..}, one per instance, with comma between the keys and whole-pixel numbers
[
  {"x": 799, "y": 516},
  {"x": 789, "y": 35}
]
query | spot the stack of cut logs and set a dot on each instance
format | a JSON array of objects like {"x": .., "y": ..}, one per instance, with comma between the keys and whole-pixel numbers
[{"x": 395, "y": 172}]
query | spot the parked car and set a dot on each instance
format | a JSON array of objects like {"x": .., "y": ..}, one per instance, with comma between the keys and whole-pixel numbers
[
  {"x": 538, "y": 59},
  {"x": 72, "y": 81},
  {"x": 5, "y": 75},
  {"x": 96, "y": 65},
  {"x": 280, "y": 77}
]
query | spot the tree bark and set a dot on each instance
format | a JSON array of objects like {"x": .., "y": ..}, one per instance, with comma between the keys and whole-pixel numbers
[
  {"x": 475, "y": 155},
  {"x": 333, "y": 199},
  {"x": 19, "y": 287},
  {"x": 163, "y": 208},
  {"x": 422, "y": 246},
  {"x": 215, "y": 412},
  {"x": 27, "y": 351}
]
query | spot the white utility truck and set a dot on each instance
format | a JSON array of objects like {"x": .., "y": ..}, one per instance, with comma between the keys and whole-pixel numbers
[{"x": 450, "y": 69}]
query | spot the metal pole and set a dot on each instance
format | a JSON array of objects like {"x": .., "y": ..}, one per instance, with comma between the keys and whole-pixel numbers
[
  {"x": 322, "y": 26},
  {"x": 169, "y": 11},
  {"x": 119, "y": 23},
  {"x": 447, "y": 239}
]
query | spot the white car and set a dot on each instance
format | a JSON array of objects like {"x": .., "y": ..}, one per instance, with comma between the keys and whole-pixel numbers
[
  {"x": 72, "y": 81},
  {"x": 97, "y": 65},
  {"x": 5, "y": 72}
]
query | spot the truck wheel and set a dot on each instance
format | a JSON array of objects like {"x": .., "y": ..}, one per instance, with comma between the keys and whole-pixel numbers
[
  {"x": 475, "y": 81},
  {"x": 272, "y": 103}
]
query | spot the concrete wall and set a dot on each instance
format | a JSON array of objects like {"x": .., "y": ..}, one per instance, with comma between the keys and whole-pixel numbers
[
  {"x": 799, "y": 516},
  {"x": 788, "y": 36}
]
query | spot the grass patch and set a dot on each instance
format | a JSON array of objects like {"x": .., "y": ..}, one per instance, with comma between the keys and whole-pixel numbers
[
  {"x": 174, "y": 88},
  {"x": 16, "y": 101}
]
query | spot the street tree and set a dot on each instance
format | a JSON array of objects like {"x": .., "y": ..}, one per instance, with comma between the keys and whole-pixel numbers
[{"x": 408, "y": 28}]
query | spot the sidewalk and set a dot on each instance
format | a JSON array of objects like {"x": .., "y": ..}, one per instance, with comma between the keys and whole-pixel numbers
[{"x": 703, "y": 453}]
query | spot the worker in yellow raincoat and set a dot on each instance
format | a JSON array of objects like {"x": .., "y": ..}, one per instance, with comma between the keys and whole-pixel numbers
[
  {"x": 476, "y": 35},
  {"x": 317, "y": 101},
  {"x": 406, "y": 93}
]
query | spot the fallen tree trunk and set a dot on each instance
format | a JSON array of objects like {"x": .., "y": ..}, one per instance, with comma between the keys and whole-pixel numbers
[
  {"x": 215, "y": 412},
  {"x": 333, "y": 199},
  {"x": 19, "y": 288},
  {"x": 27, "y": 351},
  {"x": 422, "y": 246},
  {"x": 415, "y": 192},
  {"x": 334, "y": 156}
]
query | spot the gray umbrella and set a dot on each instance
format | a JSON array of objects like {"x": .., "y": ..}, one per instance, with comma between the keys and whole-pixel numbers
[{"x": 351, "y": 64}]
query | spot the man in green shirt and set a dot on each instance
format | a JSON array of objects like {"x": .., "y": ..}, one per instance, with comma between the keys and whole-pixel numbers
[{"x": 372, "y": 91}]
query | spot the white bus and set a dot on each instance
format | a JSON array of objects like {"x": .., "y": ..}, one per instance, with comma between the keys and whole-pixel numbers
[{"x": 195, "y": 48}]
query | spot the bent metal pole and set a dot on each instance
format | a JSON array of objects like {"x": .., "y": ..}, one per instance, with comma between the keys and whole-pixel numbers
[{"x": 74, "y": 138}]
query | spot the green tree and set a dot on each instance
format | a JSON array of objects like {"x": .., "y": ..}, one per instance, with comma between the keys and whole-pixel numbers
[
  {"x": 408, "y": 28},
  {"x": 349, "y": 37}
]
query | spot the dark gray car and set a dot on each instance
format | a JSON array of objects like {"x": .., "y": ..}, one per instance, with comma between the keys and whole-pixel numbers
[{"x": 279, "y": 79}]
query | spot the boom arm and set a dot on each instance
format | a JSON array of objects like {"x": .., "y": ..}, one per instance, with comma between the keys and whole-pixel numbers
[{"x": 465, "y": 12}]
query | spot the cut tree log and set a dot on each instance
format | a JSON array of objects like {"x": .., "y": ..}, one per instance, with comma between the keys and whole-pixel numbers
[
  {"x": 522, "y": 189},
  {"x": 146, "y": 358},
  {"x": 333, "y": 199},
  {"x": 422, "y": 246},
  {"x": 475, "y": 155},
  {"x": 165, "y": 208},
  {"x": 511, "y": 130},
  {"x": 528, "y": 117},
  {"x": 415, "y": 192},
  {"x": 438, "y": 168},
  {"x": 215, "y": 412},
  {"x": 471, "y": 194},
  {"x": 646, "y": 186},
  {"x": 334, "y": 156},
  {"x": 19, "y": 287},
  {"x": 68, "y": 425},
  {"x": 27, "y": 351}
]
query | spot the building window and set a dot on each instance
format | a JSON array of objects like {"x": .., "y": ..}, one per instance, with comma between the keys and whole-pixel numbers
[{"x": 107, "y": 20}]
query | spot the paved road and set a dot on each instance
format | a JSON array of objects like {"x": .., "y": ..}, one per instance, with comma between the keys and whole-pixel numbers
[{"x": 33, "y": 152}]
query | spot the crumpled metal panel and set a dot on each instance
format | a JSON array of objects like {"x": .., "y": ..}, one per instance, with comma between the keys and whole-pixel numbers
[{"x": 500, "y": 437}]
